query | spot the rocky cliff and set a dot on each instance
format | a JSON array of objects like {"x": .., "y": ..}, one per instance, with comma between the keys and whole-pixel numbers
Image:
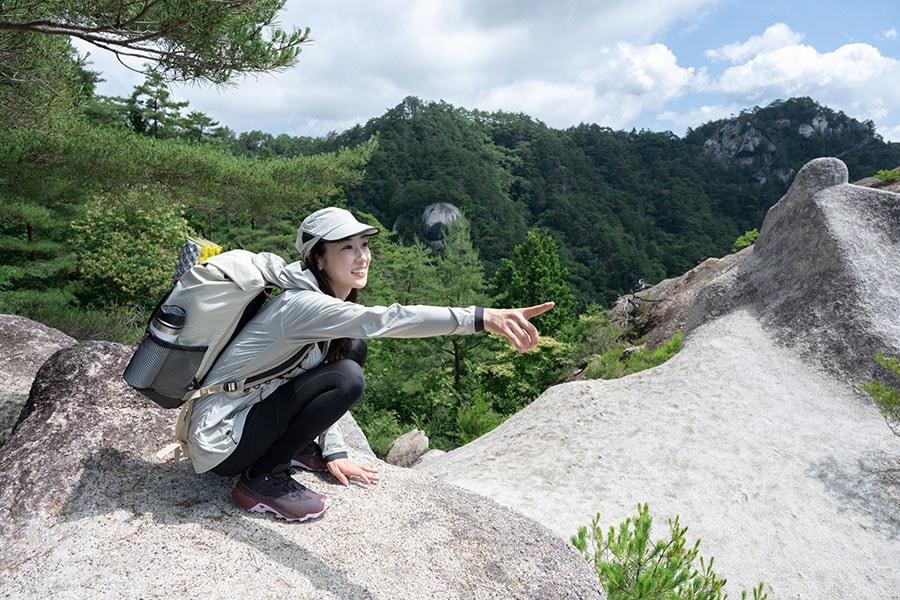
[
  {"x": 767, "y": 139},
  {"x": 755, "y": 434}
]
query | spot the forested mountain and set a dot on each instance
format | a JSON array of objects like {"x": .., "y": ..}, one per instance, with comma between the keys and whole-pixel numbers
[{"x": 622, "y": 206}]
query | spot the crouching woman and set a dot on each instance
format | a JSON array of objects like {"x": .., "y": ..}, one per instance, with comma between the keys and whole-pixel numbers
[{"x": 261, "y": 435}]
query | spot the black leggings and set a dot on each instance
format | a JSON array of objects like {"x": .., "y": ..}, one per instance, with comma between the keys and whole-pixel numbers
[{"x": 296, "y": 413}]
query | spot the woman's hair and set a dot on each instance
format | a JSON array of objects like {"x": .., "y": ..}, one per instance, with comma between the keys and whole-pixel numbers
[{"x": 336, "y": 348}]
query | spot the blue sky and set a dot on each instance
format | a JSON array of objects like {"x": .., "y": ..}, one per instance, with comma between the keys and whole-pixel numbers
[{"x": 661, "y": 65}]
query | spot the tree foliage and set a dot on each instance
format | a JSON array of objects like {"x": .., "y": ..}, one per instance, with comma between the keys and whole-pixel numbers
[
  {"x": 632, "y": 567},
  {"x": 885, "y": 396},
  {"x": 202, "y": 40},
  {"x": 125, "y": 243},
  {"x": 434, "y": 152},
  {"x": 535, "y": 276},
  {"x": 151, "y": 109},
  {"x": 40, "y": 80},
  {"x": 50, "y": 179}
]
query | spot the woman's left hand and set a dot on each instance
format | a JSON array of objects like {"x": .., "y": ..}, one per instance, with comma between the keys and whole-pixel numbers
[{"x": 344, "y": 469}]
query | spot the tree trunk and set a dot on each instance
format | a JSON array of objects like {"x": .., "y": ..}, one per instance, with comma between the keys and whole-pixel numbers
[{"x": 31, "y": 237}]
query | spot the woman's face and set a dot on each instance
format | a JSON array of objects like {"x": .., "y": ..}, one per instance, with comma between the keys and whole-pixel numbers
[{"x": 346, "y": 264}]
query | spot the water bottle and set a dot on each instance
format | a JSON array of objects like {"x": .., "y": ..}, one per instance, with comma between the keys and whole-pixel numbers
[
  {"x": 150, "y": 355},
  {"x": 168, "y": 323}
]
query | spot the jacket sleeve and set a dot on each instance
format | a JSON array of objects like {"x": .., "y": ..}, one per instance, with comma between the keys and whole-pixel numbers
[
  {"x": 310, "y": 316},
  {"x": 332, "y": 443}
]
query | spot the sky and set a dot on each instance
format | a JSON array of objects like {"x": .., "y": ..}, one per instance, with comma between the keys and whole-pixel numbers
[{"x": 658, "y": 65}]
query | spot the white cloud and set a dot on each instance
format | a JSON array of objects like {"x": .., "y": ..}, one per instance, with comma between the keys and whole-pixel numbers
[
  {"x": 622, "y": 82},
  {"x": 855, "y": 78},
  {"x": 563, "y": 63},
  {"x": 558, "y": 63},
  {"x": 698, "y": 116},
  {"x": 773, "y": 38},
  {"x": 890, "y": 133}
]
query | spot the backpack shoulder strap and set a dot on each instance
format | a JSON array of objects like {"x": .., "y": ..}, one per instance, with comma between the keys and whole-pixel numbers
[{"x": 253, "y": 380}]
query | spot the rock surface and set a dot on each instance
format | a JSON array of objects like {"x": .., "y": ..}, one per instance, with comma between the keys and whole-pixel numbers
[
  {"x": 660, "y": 311},
  {"x": 94, "y": 513},
  {"x": 407, "y": 449},
  {"x": 24, "y": 346},
  {"x": 823, "y": 275},
  {"x": 755, "y": 434},
  {"x": 436, "y": 218}
]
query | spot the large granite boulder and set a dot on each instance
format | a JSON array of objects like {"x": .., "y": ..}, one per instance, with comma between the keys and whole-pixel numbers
[
  {"x": 93, "y": 512},
  {"x": 823, "y": 275},
  {"x": 755, "y": 434},
  {"x": 657, "y": 312}
]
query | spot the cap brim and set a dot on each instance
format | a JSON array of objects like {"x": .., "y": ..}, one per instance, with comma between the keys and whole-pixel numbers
[{"x": 348, "y": 230}]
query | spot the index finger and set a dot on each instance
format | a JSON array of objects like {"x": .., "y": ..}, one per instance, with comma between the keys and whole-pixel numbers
[{"x": 533, "y": 311}]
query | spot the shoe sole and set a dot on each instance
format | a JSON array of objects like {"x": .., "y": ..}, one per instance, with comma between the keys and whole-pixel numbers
[{"x": 245, "y": 501}]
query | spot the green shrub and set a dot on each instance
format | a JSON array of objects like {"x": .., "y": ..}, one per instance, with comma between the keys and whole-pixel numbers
[
  {"x": 593, "y": 333},
  {"x": 617, "y": 362},
  {"x": 888, "y": 174},
  {"x": 631, "y": 567},
  {"x": 745, "y": 240},
  {"x": 476, "y": 418},
  {"x": 887, "y": 398},
  {"x": 512, "y": 380},
  {"x": 127, "y": 244}
]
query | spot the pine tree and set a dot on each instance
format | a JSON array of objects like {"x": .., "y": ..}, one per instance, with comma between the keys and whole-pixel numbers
[
  {"x": 535, "y": 276},
  {"x": 152, "y": 111}
]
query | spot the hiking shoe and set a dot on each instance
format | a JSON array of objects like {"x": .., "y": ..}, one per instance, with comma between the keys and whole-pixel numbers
[
  {"x": 277, "y": 492},
  {"x": 310, "y": 458}
]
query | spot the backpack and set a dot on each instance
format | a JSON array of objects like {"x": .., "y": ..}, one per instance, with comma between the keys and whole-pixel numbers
[{"x": 215, "y": 299}]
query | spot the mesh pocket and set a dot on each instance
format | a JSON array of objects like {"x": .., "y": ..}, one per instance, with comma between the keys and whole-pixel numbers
[{"x": 166, "y": 369}]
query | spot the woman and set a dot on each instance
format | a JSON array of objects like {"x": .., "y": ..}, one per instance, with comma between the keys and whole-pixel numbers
[{"x": 260, "y": 435}]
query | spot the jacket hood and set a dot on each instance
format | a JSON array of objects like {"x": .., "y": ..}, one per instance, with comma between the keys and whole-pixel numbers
[{"x": 287, "y": 276}]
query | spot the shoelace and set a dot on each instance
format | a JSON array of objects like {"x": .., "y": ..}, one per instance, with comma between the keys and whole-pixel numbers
[{"x": 288, "y": 484}]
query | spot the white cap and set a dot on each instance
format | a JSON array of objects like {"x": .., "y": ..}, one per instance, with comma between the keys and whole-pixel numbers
[{"x": 329, "y": 224}]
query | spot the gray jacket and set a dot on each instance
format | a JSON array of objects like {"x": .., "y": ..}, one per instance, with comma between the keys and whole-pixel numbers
[{"x": 296, "y": 318}]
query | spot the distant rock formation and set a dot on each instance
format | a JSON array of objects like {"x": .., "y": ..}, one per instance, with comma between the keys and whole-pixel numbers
[
  {"x": 435, "y": 219},
  {"x": 739, "y": 142},
  {"x": 756, "y": 140},
  {"x": 92, "y": 511}
]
